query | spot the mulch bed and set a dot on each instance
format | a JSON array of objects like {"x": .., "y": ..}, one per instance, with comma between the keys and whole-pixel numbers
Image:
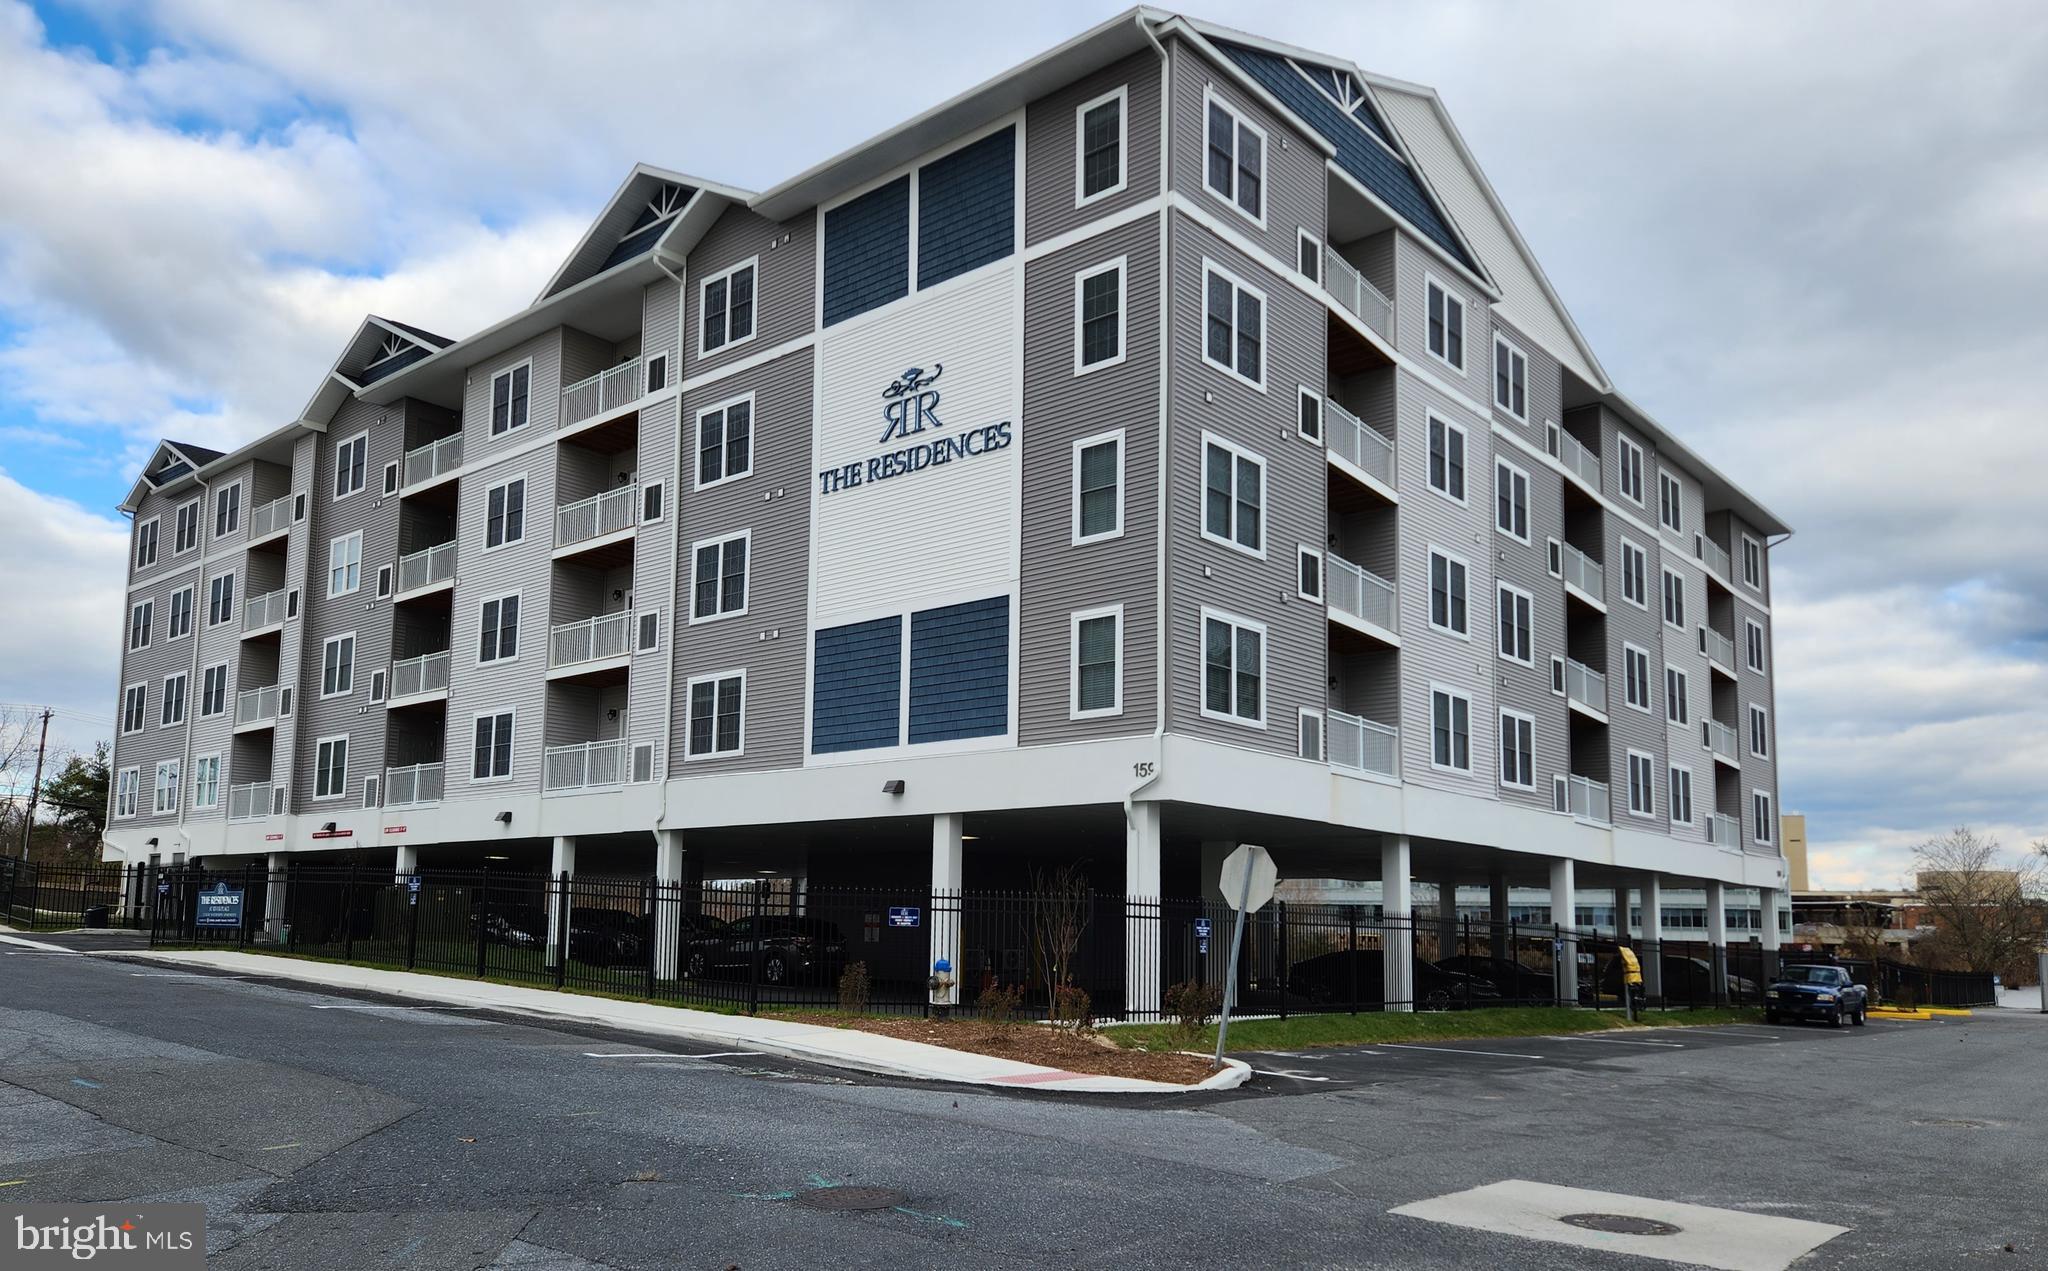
[{"x": 1030, "y": 1044}]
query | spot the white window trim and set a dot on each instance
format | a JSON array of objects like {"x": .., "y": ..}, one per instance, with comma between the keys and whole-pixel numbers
[
  {"x": 1520, "y": 594},
  {"x": 142, "y": 715},
  {"x": 1748, "y": 542},
  {"x": 226, "y": 697},
  {"x": 342, "y": 793},
  {"x": 1760, "y": 663},
  {"x": 648, "y": 363},
  {"x": 519, "y": 479},
  {"x": 696, "y": 450},
  {"x": 720, "y": 540},
  {"x": 392, "y": 480},
  {"x": 1464, "y": 695},
  {"x": 241, "y": 507},
  {"x": 1322, "y": 734},
  {"x": 1321, "y": 595},
  {"x": 1758, "y": 713},
  {"x": 1303, "y": 236},
  {"x": 191, "y": 593},
  {"x": 1451, "y": 297},
  {"x": 1322, "y": 417},
  {"x": 1671, "y": 575},
  {"x": 491, "y": 392},
  {"x": 177, "y": 783},
  {"x": 198, "y": 518},
  {"x": 164, "y": 700},
  {"x": 1682, "y": 700},
  {"x": 1074, "y": 621},
  {"x": 198, "y": 762},
  {"x": 1664, "y": 475},
  {"x": 343, "y": 444},
  {"x": 156, "y": 540},
  {"x": 1514, "y": 351},
  {"x": 659, "y": 484},
  {"x": 1202, "y": 329},
  {"x": 1520, "y": 717},
  {"x": 1527, "y": 538},
  {"x": 337, "y": 638},
  {"x": 511, "y": 763},
  {"x": 1202, "y": 661},
  {"x": 1650, "y": 792},
  {"x": 1671, "y": 795},
  {"x": 1122, "y": 266},
  {"x": 1649, "y": 688},
  {"x": 689, "y": 693},
  {"x": 1076, "y": 538},
  {"x": 1429, "y": 596},
  {"x": 357, "y": 535},
  {"x": 234, "y": 598},
  {"x": 132, "y": 779},
  {"x": 1202, "y": 495},
  {"x": 1238, "y": 120},
  {"x": 725, "y": 275},
  {"x": 1630, "y": 545},
  {"x": 1553, "y": 550},
  {"x": 1465, "y": 450},
  {"x": 1623, "y": 445},
  {"x": 476, "y": 657},
  {"x": 1121, "y": 94},
  {"x": 640, "y": 616},
  {"x": 1765, "y": 832}
]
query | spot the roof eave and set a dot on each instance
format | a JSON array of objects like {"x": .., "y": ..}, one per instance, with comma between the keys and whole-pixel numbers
[{"x": 1732, "y": 496}]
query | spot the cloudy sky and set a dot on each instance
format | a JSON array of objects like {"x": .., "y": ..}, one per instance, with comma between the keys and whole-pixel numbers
[{"x": 1806, "y": 237}]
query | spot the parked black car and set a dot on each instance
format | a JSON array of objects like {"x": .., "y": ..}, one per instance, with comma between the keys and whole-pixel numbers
[
  {"x": 518, "y": 926},
  {"x": 1329, "y": 977},
  {"x": 1510, "y": 979},
  {"x": 607, "y": 937},
  {"x": 793, "y": 950},
  {"x": 1807, "y": 991},
  {"x": 1685, "y": 978}
]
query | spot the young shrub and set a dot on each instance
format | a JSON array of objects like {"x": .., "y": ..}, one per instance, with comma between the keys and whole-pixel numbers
[
  {"x": 853, "y": 988},
  {"x": 1189, "y": 1006},
  {"x": 1072, "y": 1008},
  {"x": 999, "y": 1005}
]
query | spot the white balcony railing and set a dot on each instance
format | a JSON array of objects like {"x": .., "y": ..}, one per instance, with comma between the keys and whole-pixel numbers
[
  {"x": 1576, "y": 457},
  {"x": 1363, "y": 745},
  {"x": 1351, "y": 290},
  {"x": 1583, "y": 572},
  {"x": 1584, "y": 685},
  {"x": 433, "y": 459},
  {"x": 1724, "y": 831},
  {"x": 1718, "y": 648},
  {"x": 587, "y": 765},
  {"x": 425, "y": 674},
  {"x": 1362, "y": 594},
  {"x": 250, "y": 802},
  {"x": 1589, "y": 799},
  {"x": 1716, "y": 557},
  {"x": 1721, "y": 739},
  {"x": 266, "y": 519},
  {"x": 606, "y": 390},
  {"x": 594, "y": 517},
  {"x": 411, "y": 786},
  {"x": 605, "y": 636},
  {"x": 256, "y": 705},
  {"x": 424, "y": 569},
  {"x": 263, "y": 611},
  {"x": 1359, "y": 444}
]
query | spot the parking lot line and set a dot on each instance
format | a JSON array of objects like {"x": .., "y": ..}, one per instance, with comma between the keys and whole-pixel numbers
[
  {"x": 1613, "y": 1041},
  {"x": 1457, "y": 1050}
]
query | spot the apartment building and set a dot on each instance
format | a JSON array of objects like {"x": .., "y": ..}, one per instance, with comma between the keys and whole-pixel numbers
[{"x": 1168, "y": 444}]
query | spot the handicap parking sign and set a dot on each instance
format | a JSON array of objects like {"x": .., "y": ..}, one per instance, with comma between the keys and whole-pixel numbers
[{"x": 905, "y": 915}]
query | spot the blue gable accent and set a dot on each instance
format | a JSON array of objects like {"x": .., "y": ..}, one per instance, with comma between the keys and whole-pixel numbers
[
  {"x": 413, "y": 353},
  {"x": 967, "y": 208},
  {"x": 1375, "y": 169},
  {"x": 856, "y": 686},
  {"x": 867, "y": 251},
  {"x": 638, "y": 243},
  {"x": 960, "y": 671}
]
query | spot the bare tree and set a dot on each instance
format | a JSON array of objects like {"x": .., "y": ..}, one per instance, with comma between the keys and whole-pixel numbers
[
  {"x": 20, "y": 731},
  {"x": 1059, "y": 907},
  {"x": 1986, "y": 904}
]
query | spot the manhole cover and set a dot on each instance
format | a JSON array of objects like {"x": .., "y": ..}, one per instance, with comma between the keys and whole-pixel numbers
[
  {"x": 1620, "y": 1224},
  {"x": 850, "y": 1199}
]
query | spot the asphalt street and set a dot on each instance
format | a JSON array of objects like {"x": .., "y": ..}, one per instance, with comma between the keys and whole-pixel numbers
[{"x": 346, "y": 1132}]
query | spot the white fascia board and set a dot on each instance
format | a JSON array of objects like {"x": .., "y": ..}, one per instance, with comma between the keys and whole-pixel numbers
[{"x": 1719, "y": 489}]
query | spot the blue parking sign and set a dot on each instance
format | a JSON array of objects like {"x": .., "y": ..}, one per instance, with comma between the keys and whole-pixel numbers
[{"x": 905, "y": 915}]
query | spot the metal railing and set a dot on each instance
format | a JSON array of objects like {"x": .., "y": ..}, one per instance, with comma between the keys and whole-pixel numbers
[
  {"x": 1584, "y": 685},
  {"x": 1350, "y": 289},
  {"x": 584, "y": 766},
  {"x": 608, "y": 635},
  {"x": 424, "y": 569},
  {"x": 1716, "y": 557},
  {"x": 1717, "y": 647},
  {"x": 1723, "y": 831},
  {"x": 1359, "y": 444},
  {"x": 263, "y": 611},
  {"x": 249, "y": 802},
  {"x": 1583, "y": 572},
  {"x": 433, "y": 459},
  {"x": 606, "y": 390},
  {"x": 1363, "y": 745},
  {"x": 266, "y": 519},
  {"x": 1580, "y": 460},
  {"x": 1362, "y": 594},
  {"x": 411, "y": 786},
  {"x": 1721, "y": 739},
  {"x": 1589, "y": 799},
  {"x": 601, "y": 514},
  {"x": 256, "y": 705},
  {"x": 427, "y": 673}
]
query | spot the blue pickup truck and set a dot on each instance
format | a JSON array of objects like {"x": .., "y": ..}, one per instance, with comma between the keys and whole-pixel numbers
[{"x": 1806, "y": 991}]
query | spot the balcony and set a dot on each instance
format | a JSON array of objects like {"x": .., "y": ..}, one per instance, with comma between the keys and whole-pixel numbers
[
  {"x": 1720, "y": 651},
  {"x": 266, "y": 613},
  {"x": 590, "y": 765},
  {"x": 435, "y": 459},
  {"x": 1361, "y": 745},
  {"x": 601, "y": 394},
  {"x": 1723, "y": 741},
  {"x": 1360, "y": 298},
  {"x": 250, "y": 802},
  {"x": 1715, "y": 557},
  {"x": 1363, "y": 601},
  {"x": 256, "y": 708},
  {"x": 1724, "y": 831},
  {"x": 1579, "y": 461},
  {"x": 268, "y": 520},
  {"x": 424, "y": 678},
  {"x": 586, "y": 521},
  {"x": 1588, "y": 800},
  {"x": 432, "y": 568},
  {"x": 594, "y": 644},
  {"x": 414, "y": 786},
  {"x": 1583, "y": 575},
  {"x": 1586, "y": 690},
  {"x": 1365, "y": 452}
]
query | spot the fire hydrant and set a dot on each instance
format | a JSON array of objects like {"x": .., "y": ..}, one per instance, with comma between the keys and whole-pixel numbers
[{"x": 942, "y": 984}]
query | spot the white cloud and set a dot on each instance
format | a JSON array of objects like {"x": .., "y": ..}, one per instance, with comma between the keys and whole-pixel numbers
[{"x": 65, "y": 568}]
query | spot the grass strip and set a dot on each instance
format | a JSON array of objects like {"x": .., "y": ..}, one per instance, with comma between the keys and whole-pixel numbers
[{"x": 1303, "y": 1031}]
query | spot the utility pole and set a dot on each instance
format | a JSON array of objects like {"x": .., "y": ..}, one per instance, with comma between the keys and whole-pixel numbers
[{"x": 35, "y": 790}]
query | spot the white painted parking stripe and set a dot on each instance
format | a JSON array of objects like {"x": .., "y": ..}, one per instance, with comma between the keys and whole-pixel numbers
[
  {"x": 1458, "y": 1050},
  {"x": 625, "y": 1054},
  {"x": 37, "y": 945},
  {"x": 1613, "y": 1041},
  {"x": 380, "y": 1006},
  {"x": 716, "y": 1054}
]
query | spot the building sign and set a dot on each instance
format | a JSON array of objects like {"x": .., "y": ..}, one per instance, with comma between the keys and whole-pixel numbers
[
  {"x": 333, "y": 834},
  {"x": 910, "y": 407},
  {"x": 905, "y": 915},
  {"x": 219, "y": 906}
]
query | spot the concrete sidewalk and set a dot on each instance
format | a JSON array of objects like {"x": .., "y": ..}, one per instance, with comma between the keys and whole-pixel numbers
[{"x": 814, "y": 1043}]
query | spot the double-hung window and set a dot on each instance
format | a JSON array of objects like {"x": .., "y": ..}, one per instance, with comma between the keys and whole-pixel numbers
[
  {"x": 345, "y": 564},
  {"x": 213, "y": 691},
  {"x": 498, "y": 634},
  {"x": 1233, "y": 668},
  {"x": 206, "y": 781},
  {"x": 1681, "y": 796},
  {"x": 1642, "y": 783},
  {"x": 1670, "y": 502},
  {"x": 1759, "y": 732},
  {"x": 505, "y": 513},
  {"x": 179, "y": 621},
  {"x": 1764, "y": 825},
  {"x": 1634, "y": 581},
  {"x": 725, "y": 442},
  {"x": 227, "y": 510},
  {"x": 717, "y": 705},
  {"x": 1098, "y": 488},
  {"x": 1447, "y": 459},
  {"x": 330, "y": 767},
  {"x": 718, "y": 583},
  {"x": 1674, "y": 599},
  {"x": 1510, "y": 379},
  {"x": 1446, "y": 325},
  {"x": 1447, "y": 577},
  {"x": 338, "y": 665},
  {"x": 491, "y": 752},
  {"x": 1233, "y": 495},
  {"x": 166, "y": 787},
  {"x": 174, "y": 700},
  {"x": 1677, "y": 696},
  {"x": 1236, "y": 168},
  {"x": 1099, "y": 316},
  {"x": 186, "y": 536},
  {"x": 1099, "y": 133},
  {"x": 145, "y": 543},
  {"x": 1233, "y": 326},
  {"x": 1628, "y": 475},
  {"x": 1753, "y": 644},
  {"x": 140, "y": 618},
  {"x": 1517, "y": 750},
  {"x": 1516, "y": 625},
  {"x": 509, "y": 393},
  {"x": 127, "y": 784},
  {"x": 350, "y": 458},
  {"x": 1096, "y": 644},
  {"x": 134, "y": 704},
  {"x": 1635, "y": 665},
  {"x": 1510, "y": 500},
  {"x": 1752, "y": 563},
  {"x": 220, "y": 600},
  {"x": 1450, "y": 729},
  {"x": 728, "y": 308}
]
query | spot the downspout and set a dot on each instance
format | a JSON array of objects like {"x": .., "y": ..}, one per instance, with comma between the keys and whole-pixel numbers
[
  {"x": 192, "y": 675},
  {"x": 1164, "y": 457},
  {"x": 673, "y": 518}
]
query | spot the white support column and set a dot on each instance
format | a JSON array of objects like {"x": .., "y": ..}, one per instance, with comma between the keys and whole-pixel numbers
[
  {"x": 1142, "y": 934},
  {"x": 947, "y": 871},
  {"x": 562, "y": 860},
  {"x": 1446, "y": 916},
  {"x": 1497, "y": 914},
  {"x": 1397, "y": 933},
  {"x": 668, "y": 903},
  {"x": 273, "y": 897},
  {"x": 406, "y": 862},
  {"x": 1717, "y": 937},
  {"x": 1564, "y": 913},
  {"x": 1651, "y": 887}
]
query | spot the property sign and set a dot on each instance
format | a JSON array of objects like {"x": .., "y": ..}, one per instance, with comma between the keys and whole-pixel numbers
[
  {"x": 219, "y": 906},
  {"x": 1201, "y": 935},
  {"x": 905, "y": 915}
]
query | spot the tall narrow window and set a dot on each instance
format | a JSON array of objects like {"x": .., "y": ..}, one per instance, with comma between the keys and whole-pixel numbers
[
  {"x": 338, "y": 665},
  {"x": 1450, "y": 729},
  {"x": 126, "y": 787},
  {"x": 725, "y": 442},
  {"x": 1516, "y": 625},
  {"x": 1236, "y": 168},
  {"x": 1759, "y": 732},
  {"x": 140, "y": 618},
  {"x": 505, "y": 513},
  {"x": 166, "y": 786},
  {"x": 1510, "y": 379},
  {"x": 1681, "y": 796},
  {"x": 1234, "y": 326},
  {"x": 509, "y": 393},
  {"x": 717, "y": 707},
  {"x": 1510, "y": 500},
  {"x": 1310, "y": 585},
  {"x": 1636, "y": 676},
  {"x": 220, "y": 600},
  {"x": 1642, "y": 783},
  {"x": 1097, "y": 651},
  {"x": 718, "y": 584},
  {"x": 134, "y": 704},
  {"x": 1233, "y": 668},
  {"x": 1753, "y": 644},
  {"x": 1447, "y": 459},
  {"x": 186, "y": 537},
  {"x": 1752, "y": 563},
  {"x": 350, "y": 458},
  {"x": 179, "y": 621},
  {"x": 145, "y": 543},
  {"x": 206, "y": 782},
  {"x": 1447, "y": 575},
  {"x": 1233, "y": 495},
  {"x": 1674, "y": 599},
  {"x": 1635, "y": 588},
  {"x": 345, "y": 564},
  {"x": 213, "y": 691},
  {"x": 491, "y": 749},
  {"x": 1099, "y": 316},
  {"x": 1628, "y": 474},
  {"x": 330, "y": 768},
  {"x": 1670, "y": 502},
  {"x": 1677, "y": 695},
  {"x": 1446, "y": 325},
  {"x": 728, "y": 307},
  {"x": 1099, "y": 146},
  {"x": 498, "y": 637},
  {"x": 1764, "y": 826},
  {"x": 174, "y": 701},
  {"x": 227, "y": 510},
  {"x": 1098, "y": 488},
  {"x": 1310, "y": 420},
  {"x": 1517, "y": 750}
]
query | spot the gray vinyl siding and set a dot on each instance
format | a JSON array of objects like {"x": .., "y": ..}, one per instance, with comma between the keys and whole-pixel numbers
[
  {"x": 585, "y": 355},
  {"x": 1630, "y": 728},
  {"x": 1728, "y": 529},
  {"x": 1545, "y": 383},
  {"x": 654, "y": 571},
  {"x": 1414, "y": 267},
  {"x": 1061, "y": 408},
  {"x": 767, "y": 641},
  {"x": 544, "y": 404},
  {"x": 1528, "y": 688},
  {"x": 1754, "y": 689},
  {"x": 268, "y": 756},
  {"x": 1204, "y": 573},
  {"x": 661, "y": 328},
  {"x": 785, "y": 283},
  {"x": 1297, "y": 180},
  {"x": 162, "y": 657},
  {"x": 163, "y": 509},
  {"x": 1050, "y": 153}
]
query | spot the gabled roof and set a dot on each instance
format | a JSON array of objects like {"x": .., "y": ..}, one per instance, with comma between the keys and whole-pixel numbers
[
  {"x": 644, "y": 207},
  {"x": 170, "y": 463}
]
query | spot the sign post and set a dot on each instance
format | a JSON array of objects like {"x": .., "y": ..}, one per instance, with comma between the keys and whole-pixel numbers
[{"x": 1247, "y": 883}]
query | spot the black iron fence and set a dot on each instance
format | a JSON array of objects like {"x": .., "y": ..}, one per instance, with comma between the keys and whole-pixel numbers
[
  {"x": 1900, "y": 984},
  {"x": 38, "y": 897}
]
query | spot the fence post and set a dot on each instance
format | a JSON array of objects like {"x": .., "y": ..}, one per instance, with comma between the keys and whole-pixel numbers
[
  {"x": 248, "y": 888},
  {"x": 649, "y": 898},
  {"x": 1351, "y": 954},
  {"x": 562, "y": 934},
  {"x": 348, "y": 916},
  {"x": 754, "y": 958},
  {"x": 1282, "y": 963},
  {"x": 481, "y": 920},
  {"x": 1465, "y": 985},
  {"x": 412, "y": 926}
]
